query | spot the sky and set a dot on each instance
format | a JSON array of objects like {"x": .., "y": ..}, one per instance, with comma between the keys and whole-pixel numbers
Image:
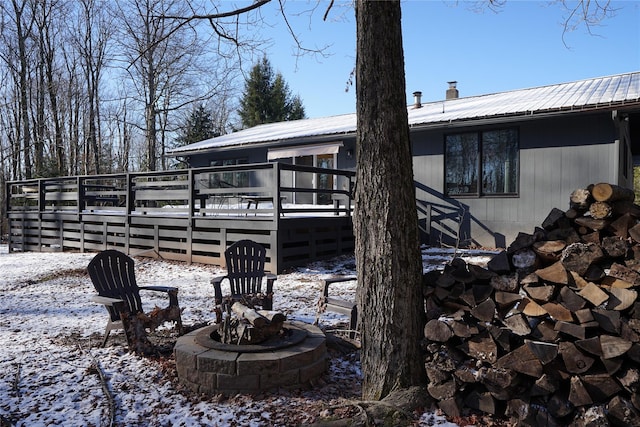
[{"x": 521, "y": 45}]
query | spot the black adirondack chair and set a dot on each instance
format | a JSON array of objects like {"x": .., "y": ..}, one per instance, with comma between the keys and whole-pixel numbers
[
  {"x": 245, "y": 273},
  {"x": 113, "y": 276}
]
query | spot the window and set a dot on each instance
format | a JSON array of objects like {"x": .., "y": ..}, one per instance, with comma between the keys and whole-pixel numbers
[
  {"x": 482, "y": 163},
  {"x": 320, "y": 181},
  {"x": 231, "y": 178}
]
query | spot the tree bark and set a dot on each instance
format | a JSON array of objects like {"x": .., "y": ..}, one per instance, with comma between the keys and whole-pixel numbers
[{"x": 385, "y": 218}]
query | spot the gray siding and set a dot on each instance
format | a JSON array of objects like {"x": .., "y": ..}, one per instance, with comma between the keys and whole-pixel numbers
[{"x": 557, "y": 156}]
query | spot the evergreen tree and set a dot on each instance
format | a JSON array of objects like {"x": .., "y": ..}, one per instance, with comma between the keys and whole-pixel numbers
[
  {"x": 198, "y": 127},
  {"x": 267, "y": 98}
]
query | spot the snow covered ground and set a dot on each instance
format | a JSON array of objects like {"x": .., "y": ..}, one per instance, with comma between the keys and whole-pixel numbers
[{"x": 50, "y": 335}]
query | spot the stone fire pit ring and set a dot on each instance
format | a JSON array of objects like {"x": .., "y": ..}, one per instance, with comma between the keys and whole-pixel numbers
[{"x": 210, "y": 368}]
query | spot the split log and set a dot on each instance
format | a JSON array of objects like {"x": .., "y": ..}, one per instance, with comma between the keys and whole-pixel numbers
[
  {"x": 481, "y": 347},
  {"x": 544, "y": 351},
  {"x": 481, "y": 402},
  {"x": 507, "y": 299},
  {"x": 578, "y": 394},
  {"x": 450, "y": 406},
  {"x": 445, "y": 390},
  {"x": 575, "y": 361},
  {"x": 584, "y": 315},
  {"x": 555, "y": 273},
  {"x": 485, "y": 311},
  {"x": 545, "y": 386},
  {"x": 590, "y": 345},
  {"x": 521, "y": 360},
  {"x": 593, "y": 294},
  {"x": 592, "y": 223},
  {"x": 621, "y": 225},
  {"x": 579, "y": 256},
  {"x": 634, "y": 233},
  {"x": 518, "y": 324},
  {"x": 568, "y": 328},
  {"x": 551, "y": 293},
  {"x": 622, "y": 412},
  {"x": 621, "y": 272},
  {"x": 608, "y": 320},
  {"x": 613, "y": 346},
  {"x": 545, "y": 331},
  {"x": 571, "y": 300},
  {"x": 620, "y": 298},
  {"x": 604, "y": 192},
  {"x": 558, "y": 312},
  {"x": 532, "y": 309},
  {"x": 549, "y": 250},
  {"x": 542, "y": 293}
]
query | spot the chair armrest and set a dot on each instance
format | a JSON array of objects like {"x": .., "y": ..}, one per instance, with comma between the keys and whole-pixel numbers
[
  {"x": 105, "y": 300},
  {"x": 217, "y": 288},
  {"x": 169, "y": 290},
  {"x": 335, "y": 279},
  {"x": 159, "y": 288},
  {"x": 270, "y": 279}
]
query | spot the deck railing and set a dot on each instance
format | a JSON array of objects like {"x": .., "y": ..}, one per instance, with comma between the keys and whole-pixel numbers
[
  {"x": 223, "y": 190},
  {"x": 189, "y": 214}
]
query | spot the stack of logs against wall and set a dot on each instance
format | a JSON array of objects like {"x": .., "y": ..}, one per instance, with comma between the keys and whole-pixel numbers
[{"x": 549, "y": 333}]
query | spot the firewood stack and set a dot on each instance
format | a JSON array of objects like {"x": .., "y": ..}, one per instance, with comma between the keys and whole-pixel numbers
[{"x": 549, "y": 333}]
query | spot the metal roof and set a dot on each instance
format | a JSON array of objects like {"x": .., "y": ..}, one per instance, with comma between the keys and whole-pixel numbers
[{"x": 591, "y": 94}]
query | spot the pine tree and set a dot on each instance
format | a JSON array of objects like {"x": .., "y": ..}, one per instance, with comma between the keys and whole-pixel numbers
[
  {"x": 198, "y": 127},
  {"x": 267, "y": 98}
]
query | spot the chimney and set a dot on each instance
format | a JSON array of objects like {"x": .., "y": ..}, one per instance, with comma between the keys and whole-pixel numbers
[
  {"x": 417, "y": 99},
  {"x": 452, "y": 92}
]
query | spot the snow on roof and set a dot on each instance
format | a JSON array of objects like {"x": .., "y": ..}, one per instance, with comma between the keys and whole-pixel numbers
[{"x": 602, "y": 92}]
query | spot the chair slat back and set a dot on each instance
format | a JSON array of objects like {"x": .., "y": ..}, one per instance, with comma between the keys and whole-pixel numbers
[
  {"x": 113, "y": 275},
  {"x": 245, "y": 267}
]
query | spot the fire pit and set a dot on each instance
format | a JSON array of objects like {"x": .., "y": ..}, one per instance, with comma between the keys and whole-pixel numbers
[{"x": 293, "y": 358}]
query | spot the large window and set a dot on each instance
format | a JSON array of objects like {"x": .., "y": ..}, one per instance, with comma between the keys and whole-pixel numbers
[
  {"x": 231, "y": 178},
  {"x": 482, "y": 163}
]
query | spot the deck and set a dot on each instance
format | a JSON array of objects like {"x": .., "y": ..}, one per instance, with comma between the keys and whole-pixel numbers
[{"x": 188, "y": 215}]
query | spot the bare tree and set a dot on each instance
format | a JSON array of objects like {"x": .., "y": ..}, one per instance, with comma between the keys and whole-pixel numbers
[
  {"x": 16, "y": 54},
  {"x": 165, "y": 65},
  {"x": 93, "y": 35}
]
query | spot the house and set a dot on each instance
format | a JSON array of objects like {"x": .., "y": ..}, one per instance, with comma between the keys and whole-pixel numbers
[{"x": 486, "y": 167}]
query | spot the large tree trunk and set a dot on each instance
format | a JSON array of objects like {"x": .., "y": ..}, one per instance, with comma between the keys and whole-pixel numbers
[{"x": 386, "y": 224}]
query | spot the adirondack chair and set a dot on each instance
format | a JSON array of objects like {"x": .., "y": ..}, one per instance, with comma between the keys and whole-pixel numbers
[
  {"x": 338, "y": 305},
  {"x": 245, "y": 272},
  {"x": 113, "y": 276}
]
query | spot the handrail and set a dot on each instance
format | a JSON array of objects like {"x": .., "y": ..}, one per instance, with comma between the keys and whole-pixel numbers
[{"x": 194, "y": 192}]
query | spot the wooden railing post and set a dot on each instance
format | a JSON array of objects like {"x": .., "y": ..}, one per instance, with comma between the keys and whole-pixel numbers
[{"x": 276, "y": 194}]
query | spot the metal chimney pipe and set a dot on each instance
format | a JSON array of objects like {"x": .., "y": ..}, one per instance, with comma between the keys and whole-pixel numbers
[{"x": 417, "y": 99}]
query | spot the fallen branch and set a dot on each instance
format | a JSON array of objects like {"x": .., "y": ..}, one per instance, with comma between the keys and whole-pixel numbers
[
  {"x": 15, "y": 386},
  {"x": 96, "y": 369}
]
